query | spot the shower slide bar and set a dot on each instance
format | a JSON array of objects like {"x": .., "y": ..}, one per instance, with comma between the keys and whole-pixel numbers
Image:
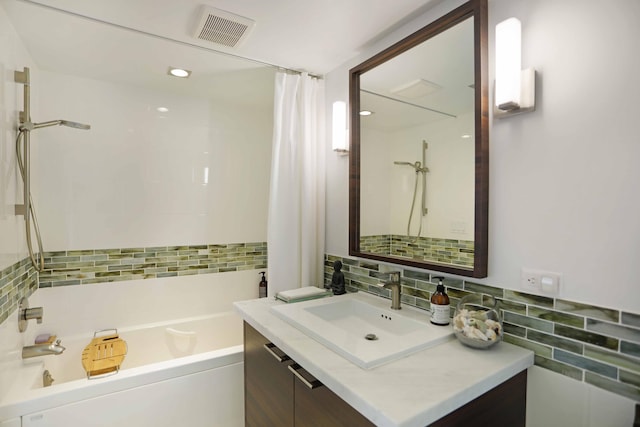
[
  {"x": 420, "y": 169},
  {"x": 23, "y": 153}
]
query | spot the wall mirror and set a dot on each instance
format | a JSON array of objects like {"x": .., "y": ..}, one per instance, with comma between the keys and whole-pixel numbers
[{"x": 419, "y": 153}]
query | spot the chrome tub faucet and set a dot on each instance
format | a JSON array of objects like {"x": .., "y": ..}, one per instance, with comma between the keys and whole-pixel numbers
[{"x": 42, "y": 349}]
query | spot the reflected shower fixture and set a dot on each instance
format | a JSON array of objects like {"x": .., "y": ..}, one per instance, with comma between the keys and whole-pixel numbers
[
  {"x": 420, "y": 169},
  {"x": 23, "y": 153},
  {"x": 514, "y": 87}
]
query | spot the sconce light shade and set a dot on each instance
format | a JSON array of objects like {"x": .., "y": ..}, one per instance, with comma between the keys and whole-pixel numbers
[
  {"x": 508, "y": 64},
  {"x": 339, "y": 127},
  {"x": 514, "y": 87}
]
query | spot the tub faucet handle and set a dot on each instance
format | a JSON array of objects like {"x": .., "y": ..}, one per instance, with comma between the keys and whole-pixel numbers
[
  {"x": 25, "y": 314},
  {"x": 33, "y": 313}
]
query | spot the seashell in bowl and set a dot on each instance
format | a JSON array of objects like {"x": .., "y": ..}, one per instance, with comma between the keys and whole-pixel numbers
[{"x": 477, "y": 321}]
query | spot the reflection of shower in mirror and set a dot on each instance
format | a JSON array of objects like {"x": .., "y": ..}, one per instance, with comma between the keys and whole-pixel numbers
[{"x": 420, "y": 169}]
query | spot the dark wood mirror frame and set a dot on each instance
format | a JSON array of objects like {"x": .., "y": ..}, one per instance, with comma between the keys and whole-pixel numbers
[{"x": 478, "y": 10}]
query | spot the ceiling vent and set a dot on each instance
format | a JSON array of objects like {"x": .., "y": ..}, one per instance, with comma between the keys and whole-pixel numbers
[
  {"x": 416, "y": 89},
  {"x": 221, "y": 27}
]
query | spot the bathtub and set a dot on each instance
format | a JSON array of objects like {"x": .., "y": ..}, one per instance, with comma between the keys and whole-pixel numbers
[{"x": 187, "y": 370}]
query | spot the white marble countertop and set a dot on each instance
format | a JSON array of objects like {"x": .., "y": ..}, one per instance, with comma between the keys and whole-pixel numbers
[{"x": 413, "y": 391}]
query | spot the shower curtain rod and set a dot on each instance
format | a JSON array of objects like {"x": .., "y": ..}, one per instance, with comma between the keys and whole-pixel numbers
[{"x": 158, "y": 36}]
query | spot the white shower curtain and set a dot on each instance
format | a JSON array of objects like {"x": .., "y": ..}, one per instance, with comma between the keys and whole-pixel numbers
[{"x": 295, "y": 236}]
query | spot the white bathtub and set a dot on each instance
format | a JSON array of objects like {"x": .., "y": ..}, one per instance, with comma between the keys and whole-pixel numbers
[{"x": 184, "y": 371}]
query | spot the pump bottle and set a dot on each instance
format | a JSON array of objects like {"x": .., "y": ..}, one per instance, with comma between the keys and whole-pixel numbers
[
  {"x": 262, "y": 286},
  {"x": 440, "y": 305}
]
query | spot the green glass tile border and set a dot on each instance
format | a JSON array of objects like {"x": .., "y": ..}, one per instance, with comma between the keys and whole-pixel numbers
[
  {"x": 591, "y": 344},
  {"x": 88, "y": 266},
  {"x": 446, "y": 251},
  {"x": 16, "y": 281}
]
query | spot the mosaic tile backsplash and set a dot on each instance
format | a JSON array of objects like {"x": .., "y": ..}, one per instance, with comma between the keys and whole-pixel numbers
[
  {"x": 16, "y": 281},
  {"x": 111, "y": 265},
  {"x": 597, "y": 345},
  {"x": 446, "y": 251}
]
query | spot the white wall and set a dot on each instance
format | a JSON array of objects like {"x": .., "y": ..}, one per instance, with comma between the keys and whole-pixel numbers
[
  {"x": 564, "y": 194},
  {"x": 563, "y": 179},
  {"x": 198, "y": 173},
  {"x": 13, "y": 56},
  {"x": 377, "y": 165}
]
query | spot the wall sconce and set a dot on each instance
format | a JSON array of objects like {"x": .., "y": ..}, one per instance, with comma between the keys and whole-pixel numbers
[
  {"x": 514, "y": 87},
  {"x": 339, "y": 124}
]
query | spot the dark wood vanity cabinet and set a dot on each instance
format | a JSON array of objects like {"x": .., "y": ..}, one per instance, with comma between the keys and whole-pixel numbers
[
  {"x": 317, "y": 406},
  {"x": 268, "y": 383},
  {"x": 280, "y": 393}
]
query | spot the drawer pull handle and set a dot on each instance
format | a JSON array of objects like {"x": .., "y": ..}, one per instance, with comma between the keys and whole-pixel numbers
[
  {"x": 276, "y": 352},
  {"x": 310, "y": 382}
]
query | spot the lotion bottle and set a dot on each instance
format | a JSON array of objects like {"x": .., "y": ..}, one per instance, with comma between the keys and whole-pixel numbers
[
  {"x": 440, "y": 305},
  {"x": 262, "y": 286}
]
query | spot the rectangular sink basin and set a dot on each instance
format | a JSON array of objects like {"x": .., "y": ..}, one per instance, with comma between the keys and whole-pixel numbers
[{"x": 363, "y": 329}]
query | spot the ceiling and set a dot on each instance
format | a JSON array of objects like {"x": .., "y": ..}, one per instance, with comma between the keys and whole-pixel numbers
[{"x": 314, "y": 36}]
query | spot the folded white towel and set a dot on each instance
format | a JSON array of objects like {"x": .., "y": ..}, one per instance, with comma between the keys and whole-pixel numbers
[{"x": 307, "y": 292}]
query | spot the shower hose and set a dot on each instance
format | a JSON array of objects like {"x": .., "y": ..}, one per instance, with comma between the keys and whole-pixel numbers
[
  {"x": 413, "y": 204},
  {"x": 36, "y": 259}
]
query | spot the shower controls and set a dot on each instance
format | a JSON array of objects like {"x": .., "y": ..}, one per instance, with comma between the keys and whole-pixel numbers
[{"x": 25, "y": 314}]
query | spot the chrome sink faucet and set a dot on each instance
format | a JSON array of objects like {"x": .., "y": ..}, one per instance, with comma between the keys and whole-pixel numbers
[
  {"x": 42, "y": 349},
  {"x": 395, "y": 285}
]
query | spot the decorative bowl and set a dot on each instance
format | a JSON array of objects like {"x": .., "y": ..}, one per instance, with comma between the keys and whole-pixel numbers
[{"x": 477, "y": 321}]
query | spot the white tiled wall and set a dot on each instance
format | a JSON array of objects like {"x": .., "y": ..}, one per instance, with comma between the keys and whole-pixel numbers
[
  {"x": 13, "y": 56},
  {"x": 198, "y": 173}
]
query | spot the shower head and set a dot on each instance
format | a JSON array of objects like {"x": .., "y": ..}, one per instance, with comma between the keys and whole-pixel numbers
[
  {"x": 417, "y": 166},
  {"x": 75, "y": 125}
]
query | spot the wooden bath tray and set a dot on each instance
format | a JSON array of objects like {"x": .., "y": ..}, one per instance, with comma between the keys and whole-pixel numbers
[{"x": 104, "y": 354}]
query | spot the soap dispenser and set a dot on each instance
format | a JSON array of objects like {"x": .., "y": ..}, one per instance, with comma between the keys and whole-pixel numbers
[
  {"x": 262, "y": 286},
  {"x": 440, "y": 305}
]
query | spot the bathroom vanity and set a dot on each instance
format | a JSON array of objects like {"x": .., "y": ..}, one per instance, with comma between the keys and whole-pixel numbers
[{"x": 292, "y": 379}]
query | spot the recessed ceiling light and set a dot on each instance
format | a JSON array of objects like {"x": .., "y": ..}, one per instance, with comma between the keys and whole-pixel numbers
[
  {"x": 366, "y": 113},
  {"x": 179, "y": 72},
  {"x": 162, "y": 109},
  {"x": 466, "y": 136}
]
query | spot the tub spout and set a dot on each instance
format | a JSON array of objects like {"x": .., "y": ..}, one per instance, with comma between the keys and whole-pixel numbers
[{"x": 42, "y": 349}]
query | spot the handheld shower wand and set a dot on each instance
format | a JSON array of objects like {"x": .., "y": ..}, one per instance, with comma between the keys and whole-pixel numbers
[
  {"x": 417, "y": 166},
  {"x": 24, "y": 163}
]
